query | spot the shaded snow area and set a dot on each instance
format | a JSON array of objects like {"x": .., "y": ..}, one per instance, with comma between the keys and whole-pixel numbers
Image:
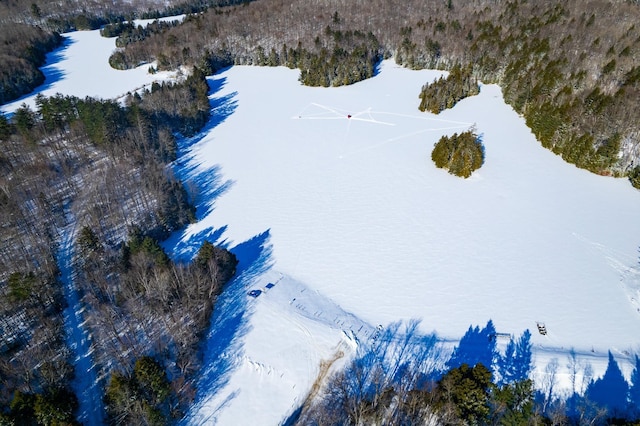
[
  {"x": 362, "y": 230},
  {"x": 85, "y": 384}
]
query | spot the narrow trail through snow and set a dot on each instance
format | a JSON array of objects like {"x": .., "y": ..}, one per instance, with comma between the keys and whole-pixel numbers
[{"x": 78, "y": 340}]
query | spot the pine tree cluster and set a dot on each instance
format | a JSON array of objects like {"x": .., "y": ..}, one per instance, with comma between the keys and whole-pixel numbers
[
  {"x": 339, "y": 58},
  {"x": 461, "y": 154},
  {"x": 446, "y": 92}
]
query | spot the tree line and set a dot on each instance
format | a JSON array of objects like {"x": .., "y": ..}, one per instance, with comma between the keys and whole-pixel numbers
[
  {"x": 30, "y": 29},
  {"x": 444, "y": 93},
  {"x": 568, "y": 69},
  {"x": 23, "y": 50}
]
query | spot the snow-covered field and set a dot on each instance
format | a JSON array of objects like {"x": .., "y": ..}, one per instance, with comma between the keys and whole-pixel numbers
[
  {"x": 356, "y": 211},
  {"x": 355, "y": 226}
]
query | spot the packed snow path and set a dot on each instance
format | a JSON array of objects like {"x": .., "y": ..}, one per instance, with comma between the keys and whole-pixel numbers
[{"x": 85, "y": 384}]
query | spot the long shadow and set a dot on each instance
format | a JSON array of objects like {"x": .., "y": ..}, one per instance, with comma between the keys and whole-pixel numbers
[
  {"x": 399, "y": 357},
  {"x": 610, "y": 392},
  {"x": 476, "y": 346},
  {"x": 222, "y": 348},
  {"x": 377, "y": 68},
  {"x": 184, "y": 249},
  {"x": 221, "y": 108},
  {"x": 205, "y": 185},
  {"x": 52, "y": 74}
]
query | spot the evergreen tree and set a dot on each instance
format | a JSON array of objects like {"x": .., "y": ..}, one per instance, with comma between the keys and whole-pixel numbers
[
  {"x": 461, "y": 153},
  {"x": 148, "y": 245},
  {"x": 444, "y": 93},
  {"x": 634, "y": 177},
  {"x": 22, "y": 407},
  {"x": 88, "y": 241},
  {"x": 465, "y": 391},
  {"x": 24, "y": 119},
  {"x": 5, "y": 127},
  {"x": 513, "y": 404},
  {"x": 152, "y": 380},
  {"x": 205, "y": 254},
  {"x": 52, "y": 407},
  {"x": 56, "y": 407},
  {"x": 140, "y": 398}
]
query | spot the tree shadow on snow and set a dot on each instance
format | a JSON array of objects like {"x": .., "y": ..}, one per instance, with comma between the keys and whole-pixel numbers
[
  {"x": 399, "y": 357},
  {"x": 52, "y": 73},
  {"x": 377, "y": 68},
  {"x": 204, "y": 188},
  {"x": 204, "y": 184},
  {"x": 184, "y": 248},
  {"x": 610, "y": 392},
  {"x": 223, "y": 346},
  {"x": 221, "y": 108}
]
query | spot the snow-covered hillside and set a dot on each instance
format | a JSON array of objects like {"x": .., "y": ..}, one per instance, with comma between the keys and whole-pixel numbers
[{"x": 355, "y": 226}]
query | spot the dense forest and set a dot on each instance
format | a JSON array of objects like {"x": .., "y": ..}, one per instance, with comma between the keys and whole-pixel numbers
[
  {"x": 86, "y": 182},
  {"x": 444, "y": 93},
  {"x": 28, "y": 30}
]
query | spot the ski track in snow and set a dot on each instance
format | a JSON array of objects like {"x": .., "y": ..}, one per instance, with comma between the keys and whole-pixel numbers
[
  {"x": 629, "y": 275},
  {"x": 78, "y": 340},
  {"x": 314, "y": 306}
]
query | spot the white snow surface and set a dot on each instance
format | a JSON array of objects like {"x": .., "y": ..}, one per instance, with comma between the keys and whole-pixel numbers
[
  {"x": 356, "y": 227},
  {"x": 356, "y": 210}
]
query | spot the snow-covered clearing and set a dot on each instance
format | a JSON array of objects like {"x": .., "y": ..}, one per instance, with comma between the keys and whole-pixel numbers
[
  {"x": 342, "y": 181},
  {"x": 357, "y": 228}
]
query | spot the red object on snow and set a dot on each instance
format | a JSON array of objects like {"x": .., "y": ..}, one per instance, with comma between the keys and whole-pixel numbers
[{"x": 349, "y": 116}]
